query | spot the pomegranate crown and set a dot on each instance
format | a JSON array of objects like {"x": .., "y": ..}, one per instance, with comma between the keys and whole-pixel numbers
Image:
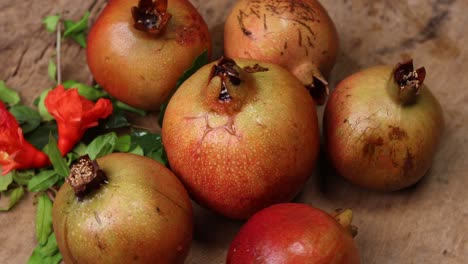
[
  {"x": 151, "y": 16},
  {"x": 408, "y": 80}
]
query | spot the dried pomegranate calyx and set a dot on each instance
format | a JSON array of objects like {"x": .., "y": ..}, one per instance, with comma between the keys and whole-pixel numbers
[
  {"x": 226, "y": 70},
  {"x": 151, "y": 16},
  {"x": 85, "y": 176},
  {"x": 408, "y": 80},
  {"x": 318, "y": 89}
]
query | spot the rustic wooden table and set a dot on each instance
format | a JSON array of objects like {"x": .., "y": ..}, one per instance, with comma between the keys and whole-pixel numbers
[{"x": 427, "y": 223}]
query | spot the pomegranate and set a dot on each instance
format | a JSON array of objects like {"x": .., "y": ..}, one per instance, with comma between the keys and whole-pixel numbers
[
  {"x": 130, "y": 209},
  {"x": 241, "y": 135},
  {"x": 137, "y": 50},
  {"x": 295, "y": 233},
  {"x": 382, "y": 126},
  {"x": 298, "y": 35}
]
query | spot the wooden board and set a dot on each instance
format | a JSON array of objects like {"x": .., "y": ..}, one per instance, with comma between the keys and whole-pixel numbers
[{"x": 427, "y": 223}]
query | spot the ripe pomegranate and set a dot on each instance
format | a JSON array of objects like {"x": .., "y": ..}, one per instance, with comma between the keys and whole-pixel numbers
[
  {"x": 382, "y": 127},
  {"x": 295, "y": 233},
  {"x": 298, "y": 35},
  {"x": 124, "y": 208},
  {"x": 241, "y": 135},
  {"x": 137, "y": 50}
]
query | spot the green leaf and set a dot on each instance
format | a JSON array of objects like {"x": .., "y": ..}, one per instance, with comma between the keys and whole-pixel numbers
[
  {"x": 46, "y": 116},
  {"x": 123, "y": 143},
  {"x": 28, "y": 118},
  {"x": 72, "y": 28},
  {"x": 148, "y": 141},
  {"x": 39, "y": 137},
  {"x": 52, "y": 70},
  {"x": 137, "y": 150},
  {"x": 5, "y": 181},
  {"x": 43, "y": 181},
  {"x": 23, "y": 177},
  {"x": 51, "y": 22},
  {"x": 80, "y": 38},
  {"x": 50, "y": 248},
  {"x": 15, "y": 195},
  {"x": 159, "y": 155},
  {"x": 89, "y": 92},
  {"x": 43, "y": 218},
  {"x": 116, "y": 120},
  {"x": 123, "y": 106},
  {"x": 199, "y": 62},
  {"x": 80, "y": 149},
  {"x": 8, "y": 95},
  {"x": 102, "y": 145},
  {"x": 59, "y": 163},
  {"x": 37, "y": 258}
]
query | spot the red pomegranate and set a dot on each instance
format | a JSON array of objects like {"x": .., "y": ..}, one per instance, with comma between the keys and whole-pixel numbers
[
  {"x": 295, "y": 233},
  {"x": 137, "y": 50},
  {"x": 241, "y": 135}
]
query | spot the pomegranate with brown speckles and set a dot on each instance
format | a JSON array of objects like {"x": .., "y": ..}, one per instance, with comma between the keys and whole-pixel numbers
[
  {"x": 382, "y": 126},
  {"x": 137, "y": 50},
  {"x": 295, "y": 233},
  {"x": 298, "y": 35},
  {"x": 122, "y": 208},
  {"x": 241, "y": 135}
]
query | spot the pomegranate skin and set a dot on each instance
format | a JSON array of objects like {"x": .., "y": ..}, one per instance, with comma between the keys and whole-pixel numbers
[
  {"x": 236, "y": 164},
  {"x": 298, "y": 35},
  {"x": 143, "y": 215},
  {"x": 137, "y": 68},
  {"x": 373, "y": 140},
  {"x": 292, "y": 233}
]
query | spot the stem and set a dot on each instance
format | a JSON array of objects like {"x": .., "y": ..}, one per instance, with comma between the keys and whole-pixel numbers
[{"x": 58, "y": 47}]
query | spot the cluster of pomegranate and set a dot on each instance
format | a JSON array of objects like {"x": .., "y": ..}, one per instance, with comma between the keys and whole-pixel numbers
[{"x": 241, "y": 134}]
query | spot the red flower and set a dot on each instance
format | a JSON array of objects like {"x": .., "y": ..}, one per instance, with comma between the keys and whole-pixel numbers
[
  {"x": 15, "y": 151},
  {"x": 74, "y": 115}
]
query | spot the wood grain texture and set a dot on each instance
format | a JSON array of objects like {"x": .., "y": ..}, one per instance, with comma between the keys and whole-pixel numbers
[{"x": 427, "y": 223}]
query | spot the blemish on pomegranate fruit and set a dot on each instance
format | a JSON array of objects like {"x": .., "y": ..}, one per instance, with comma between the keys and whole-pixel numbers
[
  {"x": 240, "y": 19},
  {"x": 255, "y": 68},
  {"x": 409, "y": 162},
  {"x": 98, "y": 219},
  {"x": 102, "y": 246},
  {"x": 397, "y": 133},
  {"x": 371, "y": 145},
  {"x": 265, "y": 26},
  {"x": 299, "y": 35}
]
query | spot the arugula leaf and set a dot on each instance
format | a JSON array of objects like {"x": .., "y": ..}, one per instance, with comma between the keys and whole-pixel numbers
[
  {"x": 102, "y": 145},
  {"x": 199, "y": 62},
  {"x": 28, "y": 118},
  {"x": 51, "y": 22},
  {"x": 89, "y": 92},
  {"x": 126, "y": 107},
  {"x": 23, "y": 177},
  {"x": 123, "y": 143},
  {"x": 46, "y": 116},
  {"x": 15, "y": 195},
  {"x": 43, "y": 181},
  {"x": 59, "y": 163},
  {"x": 8, "y": 95},
  {"x": 5, "y": 181},
  {"x": 52, "y": 70},
  {"x": 137, "y": 150},
  {"x": 72, "y": 28},
  {"x": 43, "y": 218},
  {"x": 39, "y": 137}
]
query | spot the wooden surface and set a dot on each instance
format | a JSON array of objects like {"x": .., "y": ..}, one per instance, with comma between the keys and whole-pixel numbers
[{"x": 427, "y": 223}]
